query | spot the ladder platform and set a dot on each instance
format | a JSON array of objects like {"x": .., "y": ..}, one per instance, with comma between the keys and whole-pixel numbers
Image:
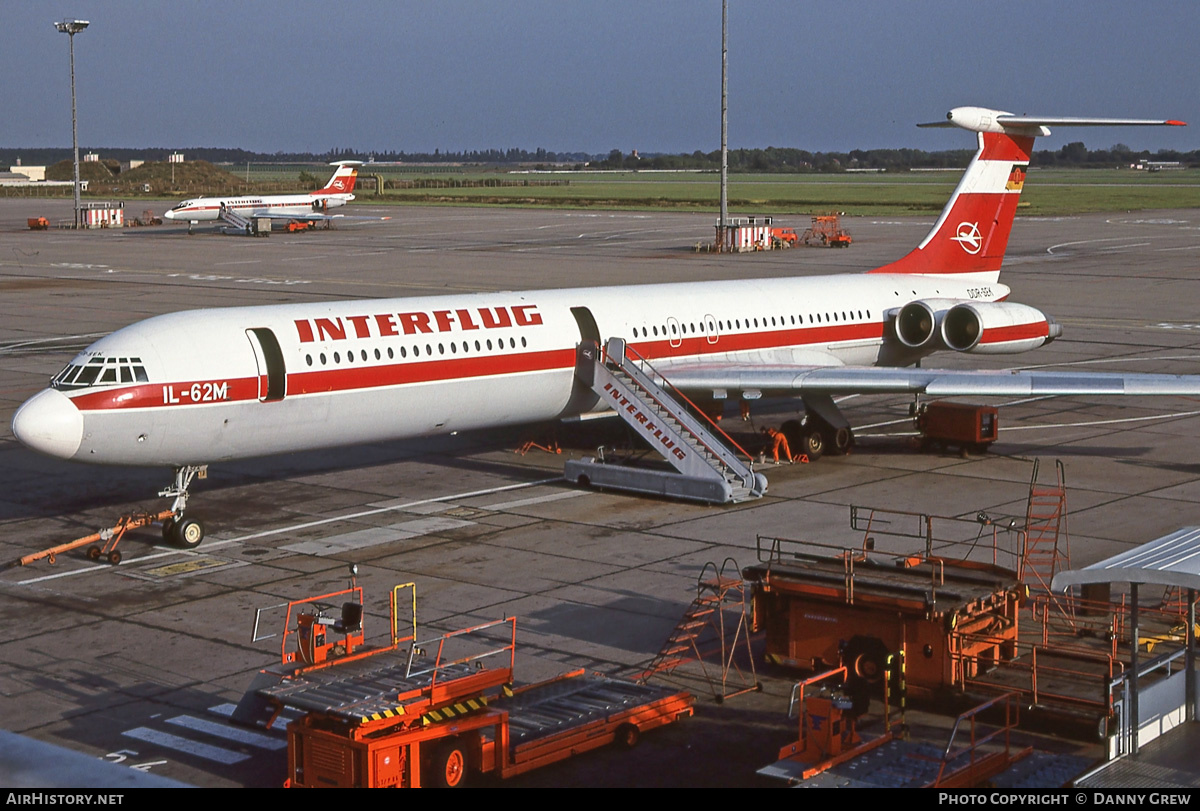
[{"x": 590, "y": 472}]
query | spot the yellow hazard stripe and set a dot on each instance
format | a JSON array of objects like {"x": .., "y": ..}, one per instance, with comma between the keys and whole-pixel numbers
[
  {"x": 434, "y": 716},
  {"x": 453, "y": 711},
  {"x": 379, "y": 716}
]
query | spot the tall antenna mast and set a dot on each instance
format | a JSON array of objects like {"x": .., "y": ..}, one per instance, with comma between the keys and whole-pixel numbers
[{"x": 724, "y": 120}]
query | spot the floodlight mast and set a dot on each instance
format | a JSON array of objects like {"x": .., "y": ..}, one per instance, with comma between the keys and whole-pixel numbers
[
  {"x": 71, "y": 28},
  {"x": 724, "y": 123}
]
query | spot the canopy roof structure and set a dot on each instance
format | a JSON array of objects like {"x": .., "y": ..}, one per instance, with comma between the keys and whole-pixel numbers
[{"x": 1172, "y": 560}]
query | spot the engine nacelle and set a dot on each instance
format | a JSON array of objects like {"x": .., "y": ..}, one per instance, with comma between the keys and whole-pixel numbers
[
  {"x": 996, "y": 328},
  {"x": 918, "y": 324}
]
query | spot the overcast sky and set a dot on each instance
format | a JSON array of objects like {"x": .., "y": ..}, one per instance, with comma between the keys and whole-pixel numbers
[{"x": 312, "y": 75}]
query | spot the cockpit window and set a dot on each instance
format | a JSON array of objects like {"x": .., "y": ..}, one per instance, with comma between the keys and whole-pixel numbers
[{"x": 99, "y": 372}]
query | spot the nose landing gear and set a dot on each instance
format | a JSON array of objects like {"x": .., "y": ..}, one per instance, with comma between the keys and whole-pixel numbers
[
  {"x": 177, "y": 529},
  {"x": 180, "y": 530}
]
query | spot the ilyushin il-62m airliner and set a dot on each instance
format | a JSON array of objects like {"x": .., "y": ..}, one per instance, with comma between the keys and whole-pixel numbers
[{"x": 204, "y": 386}]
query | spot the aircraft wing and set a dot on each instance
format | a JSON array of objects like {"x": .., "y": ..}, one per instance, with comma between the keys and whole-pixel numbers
[{"x": 834, "y": 380}]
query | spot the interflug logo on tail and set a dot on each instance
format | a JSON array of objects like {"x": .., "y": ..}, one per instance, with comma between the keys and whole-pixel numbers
[{"x": 968, "y": 237}]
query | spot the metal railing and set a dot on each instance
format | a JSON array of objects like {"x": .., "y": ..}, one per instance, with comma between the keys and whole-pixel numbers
[
  {"x": 972, "y": 749},
  {"x": 441, "y": 664},
  {"x": 945, "y": 536},
  {"x": 1073, "y": 665}
]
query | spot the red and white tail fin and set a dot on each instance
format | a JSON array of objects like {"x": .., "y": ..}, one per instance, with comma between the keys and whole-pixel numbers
[
  {"x": 971, "y": 234},
  {"x": 343, "y": 179}
]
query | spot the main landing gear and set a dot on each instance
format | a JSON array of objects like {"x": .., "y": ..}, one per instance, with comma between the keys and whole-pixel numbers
[
  {"x": 181, "y": 530},
  {"x": 822, "y": 430}
]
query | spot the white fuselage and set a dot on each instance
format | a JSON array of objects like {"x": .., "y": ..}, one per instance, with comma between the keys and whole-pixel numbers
[
  {"x": 206, "y": 385},
  {"x": 208, "y": 209}
]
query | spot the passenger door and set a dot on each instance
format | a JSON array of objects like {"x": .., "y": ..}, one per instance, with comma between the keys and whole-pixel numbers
[{"x": 272, "y": 373}]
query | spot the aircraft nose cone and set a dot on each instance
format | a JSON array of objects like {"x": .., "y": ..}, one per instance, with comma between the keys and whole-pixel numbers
[
  {"x": 49, "y": 423},
  {"x": 170, "y": 215}
]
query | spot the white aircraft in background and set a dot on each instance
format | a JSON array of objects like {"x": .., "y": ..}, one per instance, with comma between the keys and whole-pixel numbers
[
  {"x": 309, "y": 206},
  {"x": 195, "y": 387}
]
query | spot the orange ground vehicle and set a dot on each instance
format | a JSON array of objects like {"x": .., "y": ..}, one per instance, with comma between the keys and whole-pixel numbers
[
  {"x": 784, "y": 237},
  {"x": 102, "y": 545},
  {"x": 38, "y": 223},
  {"x": 414, "y": 714},
  {"x": 827, "y": 230},
  {"x": 822, "y": 606},
  {"x": 971, "y": 427}
]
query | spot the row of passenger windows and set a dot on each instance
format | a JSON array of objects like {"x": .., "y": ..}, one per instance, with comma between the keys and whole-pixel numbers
[
  {"x": 453, "y": 348},
  {"x": 844, "y": 316}
]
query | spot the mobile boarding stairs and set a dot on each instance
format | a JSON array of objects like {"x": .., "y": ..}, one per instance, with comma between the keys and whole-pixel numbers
[
  {"x": 706, "y": 468},
  {"x": 235, "y": 223}
]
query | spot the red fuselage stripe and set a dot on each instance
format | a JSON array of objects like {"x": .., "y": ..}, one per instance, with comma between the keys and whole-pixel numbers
[
  {"x": 148, "y": 395},
  {"x": 371, "y": 374}
]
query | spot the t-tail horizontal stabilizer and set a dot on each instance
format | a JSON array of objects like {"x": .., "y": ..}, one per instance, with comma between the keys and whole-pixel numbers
[{"x": 981, "y": 119}]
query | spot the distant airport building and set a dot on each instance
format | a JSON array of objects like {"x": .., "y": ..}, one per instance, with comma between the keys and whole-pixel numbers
[
  {"x": 11, "y": 178},
  {"x": 175, "y": 157},
  {"x": 30, "y": 173},
  {"x": 1156, "y": 166},
  {"x": 33, "y": 176}
]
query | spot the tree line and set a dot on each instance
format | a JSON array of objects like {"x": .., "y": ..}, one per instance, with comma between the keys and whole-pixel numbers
[
  {"x": 770, "y": 159},
  {"x": 776, "y": 159}
]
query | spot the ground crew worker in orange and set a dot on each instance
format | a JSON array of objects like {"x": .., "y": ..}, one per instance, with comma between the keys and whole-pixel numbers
[{"x": 780, "y": 443}]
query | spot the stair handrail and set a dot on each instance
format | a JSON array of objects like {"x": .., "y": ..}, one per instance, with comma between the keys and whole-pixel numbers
[
  {"x": 675, "y": 390},
  {"x": 729, "y": 561},
  {"x": 700, "y": 581},
  {"x": 1062, "y": 485},
  {"x": 718, "y": 451}
]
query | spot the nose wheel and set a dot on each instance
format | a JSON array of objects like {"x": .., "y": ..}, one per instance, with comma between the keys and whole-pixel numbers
[
  {"x": 184, "y": 532},
  {"x": 181, "y": 530}
]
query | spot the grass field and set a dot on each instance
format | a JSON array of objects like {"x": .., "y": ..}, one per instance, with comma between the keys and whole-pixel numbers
[{"x": 1047, "y": 192}]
